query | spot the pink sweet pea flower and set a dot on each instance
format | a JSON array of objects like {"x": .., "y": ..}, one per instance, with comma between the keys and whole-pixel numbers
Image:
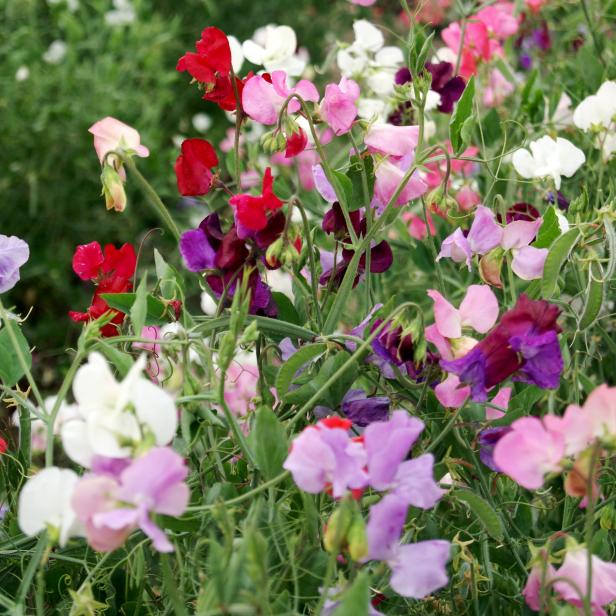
[
  {"x": 111, "y": 134},
  {"x": 262, "y": 99},
  {"x": 479, "y": 310},
  {"x": 392, "y": 140},
  {"x": 499, "y": 19},
  {"x": 497, "y": 89},
  {"x": 575, "y": 568},
  {"x": 417, "y": 227},
  {"x": 338, "y": 106},
  {"x": 468, "y": 198},
  {"x": 324, "y": 456},
  {"x": 501, "y": 399},
  {"x": 528, "y": 261},
  {"x": 241, "y": 382},
  {"x": 363, "y": 2},
  {"x": 122, "y": 498},
  {"x": 457, "y": 248},
  {"x": 529, "y": 451},
  {"x": 450, "y": 393},
  {"x": 532, "y": 590},
  {"x": 485, "y": 233},
  {"x": 389, "y": 174}
]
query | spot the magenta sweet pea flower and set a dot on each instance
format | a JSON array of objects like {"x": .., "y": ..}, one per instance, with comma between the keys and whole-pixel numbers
[
  {"x": 338, "y": 107},
  {"x": 14, "y": 252},
  {"x": 532, "y": 589},
  {"x": 263, "y": 98},
  {"x": 389, "y": 174},
  {"x": 529, "y": 451},
  {"x": 325, "y": 456},
  {"x": 451, "y": 393},
  {"x": 114, "y": 503}
]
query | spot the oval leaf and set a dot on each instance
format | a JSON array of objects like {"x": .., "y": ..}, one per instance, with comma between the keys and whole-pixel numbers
[
  {"x": 559, "y": 253},
  {"x": 483, "y": 511}
]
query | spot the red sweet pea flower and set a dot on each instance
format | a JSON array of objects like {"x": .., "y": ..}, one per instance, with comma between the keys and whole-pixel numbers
[
  {"x": 3, "y": 446},
  {"x": 251, "y": 211},
  {"x": 112, "y": 272},
  {"x": 211, "y": 66},
  {"x": 296, "y": 143},
  {"x": 193, "y": 167}
]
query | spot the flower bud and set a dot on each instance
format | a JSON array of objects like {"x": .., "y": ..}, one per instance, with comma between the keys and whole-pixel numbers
[
  {"x": 357, "y": 538},
  {"x": 274, "y": 253},
  {"x": 337, "y": 529},
  {"x": 490, "y": 267},
  {"x": 113, "y": 189}
]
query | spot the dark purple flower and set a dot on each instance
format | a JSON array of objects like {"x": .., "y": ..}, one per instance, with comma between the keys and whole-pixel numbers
[
  {"x": 520, "y": 211},
  {"x": 487, "y": 442},
  {"x": 362, "y": 410},
  {"x": 524, "y": 344},
  {"x": 561, "y": 200},
  {"x": 541, "y": 37},
  {"x": 449, "y": 87}
]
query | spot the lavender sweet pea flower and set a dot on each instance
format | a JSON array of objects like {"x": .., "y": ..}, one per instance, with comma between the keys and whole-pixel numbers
[
  {"x": 488, "y": 439},
  {"x": 457, "y": 248},
  {"x": 384, "y": 526},
  {"x": 362, "y": 410},
  {"x": 387, "y": 445},
  {"x": 14, "y": 252},
  {"x": 485, "y": 233},
  {"x": 414, "y": 482}
]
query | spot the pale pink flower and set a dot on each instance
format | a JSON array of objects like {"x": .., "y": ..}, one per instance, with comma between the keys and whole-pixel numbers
[
  {"x": 363, "y": 2},
  {"x": 497, "y": 89},
  {"x": 111, "y": 134},
  {"x": 392, "y": 140},
  {"x": 263, "y": 101},
  {"x": 389, "y": 174},
  {"x": 338, "y": 107},
  {"x": 450, "y": 393},
  {"x": 529, "y": 451},
  {"x": 468, "y": 198},
  {"x": 500, "y": 399},
  {"x": 417, "y": 227},
  {"x": 241, "y": 383}
]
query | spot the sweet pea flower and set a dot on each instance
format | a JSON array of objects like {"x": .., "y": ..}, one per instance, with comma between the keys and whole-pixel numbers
[
  {"x": 529, "y": 451},
  {"x": 392, "y": 140},
  {"x": 540, "y": 573},
  {"x": 389, "y": 174},
  {"x": 14, "y": 253},
  {"x": 524, "y": 344},
  {"x": 497, "y": 89},
  {"x": 273, "y": 47},
  {"x": 241, "y": 384},
  {"x": 45, "y": 504},
  {"x": 418, "y": 569},
  {"x": 262, "y": 99},
  {"x": 478, "y": 310},
  {"x": 363, "y": 2},
  {"x": 598, "y": 110},
  {"x": 110, "y": 134},
  {"x": 116, "y": 417},
  {"x": 338, "y": 106},
  {"x": 363, "y": 410},
  {"x": 193, "y": 167},
  {"x": 548, "y": 158},
  {"x": 111, "y": 504},
  {"x": 324, "y": 455}
]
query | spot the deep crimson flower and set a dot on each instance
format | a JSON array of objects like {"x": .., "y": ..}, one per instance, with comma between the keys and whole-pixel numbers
[
  {"x": 193, "y": 167},
  {"x": 112, "y": 272},
  {"x": 251, "y": 211},
  {"x": 296, "y": 143},
  {"x": 211, "y": 66},
  {"x": 3, "y": 446}
]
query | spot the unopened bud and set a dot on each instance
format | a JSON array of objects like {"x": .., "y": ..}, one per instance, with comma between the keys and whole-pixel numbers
[
  {"x": 357, "y": 538},
  {"x": 490, "y": 267},
  {"x": 337, "y": 529},
  {"x": 113, "y": 189}
]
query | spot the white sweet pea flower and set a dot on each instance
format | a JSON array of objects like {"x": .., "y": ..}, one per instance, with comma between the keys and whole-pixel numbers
[
  {"x": 202, "y": 122},
  {"x": 548, "y": 158},
  {"x": 273, "y": 47},
  {"x": 367, "y": 36},
  {"x": 208, "y": 305},
  {"x": 282, "y": 282},
  {"x": 598, "y": 110},
  {"x": 45, "y": 504},
  {"x": 237, "y": 55},
  {"x": 22, "y": 73},
  {"x": 609, "y": 145},
  {"x": 371, "y": 108},
  {"x": 116, "y": 417}
]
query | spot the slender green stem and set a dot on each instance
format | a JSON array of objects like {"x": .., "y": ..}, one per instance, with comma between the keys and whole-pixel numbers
[
  {"x": 35, "y": 561},
  {"x": 172, "y": 588},
  {"x": 152, "y": 197}
]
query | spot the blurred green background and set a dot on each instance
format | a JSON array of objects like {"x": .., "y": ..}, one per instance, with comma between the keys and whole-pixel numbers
[{"x": 49, "y": 174}]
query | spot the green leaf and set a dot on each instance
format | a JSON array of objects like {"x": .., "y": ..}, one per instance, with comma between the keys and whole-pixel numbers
[
  {"x": 359, "y": 167},
  {"x": 559, "y": 253},
  {"x": 343, "y": 187},
  {"x": 10, "y": 367},
  {"x": 156, "y": 310},
  {"x": 269, "y": 442},
  {"x": 139, "y": 309},
  {"x": 552, "y": 227},
  {"x": 462, "y": 112},
  {"x": 122, "y": 361},
  {"x": 287, "y": 371},
  {"x": 483, "y": 511},
  {"x": 168, "y": 277},
  {"x": 334, "y": 394},
  {"x": 594, "y": 296},
  {"x": 286, "y": 309},
  {"x": 610, "y": 234},
  {"x": 356, "y": 600},
  {"x": 491, "y": 127}
]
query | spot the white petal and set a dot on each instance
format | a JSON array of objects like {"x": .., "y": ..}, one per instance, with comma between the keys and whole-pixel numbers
[
  {"x": 94, "y": 386},
  {"x": 523, "y": 163},
  {"x": 76, "y": 443},
  {"x": 368, "y": 36},
  {"x": 45, "y": 500},
  {"x": 390, "y": 57},
  {"x": 106, "y": 431},
  {"x": 570, "y": 157},
  {"x": 281, "y": 43},
  {"x": 237, "y": 56},
  {"x": 155, "y": 408},
  {"x": 253, "y": 52}
]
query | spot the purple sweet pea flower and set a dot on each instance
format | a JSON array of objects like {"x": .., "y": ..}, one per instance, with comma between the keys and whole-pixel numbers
[
  {"x": 14, "y": 252},
  {"x": 362, "y": 410},
  {"x": 111, "y": 508}
]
